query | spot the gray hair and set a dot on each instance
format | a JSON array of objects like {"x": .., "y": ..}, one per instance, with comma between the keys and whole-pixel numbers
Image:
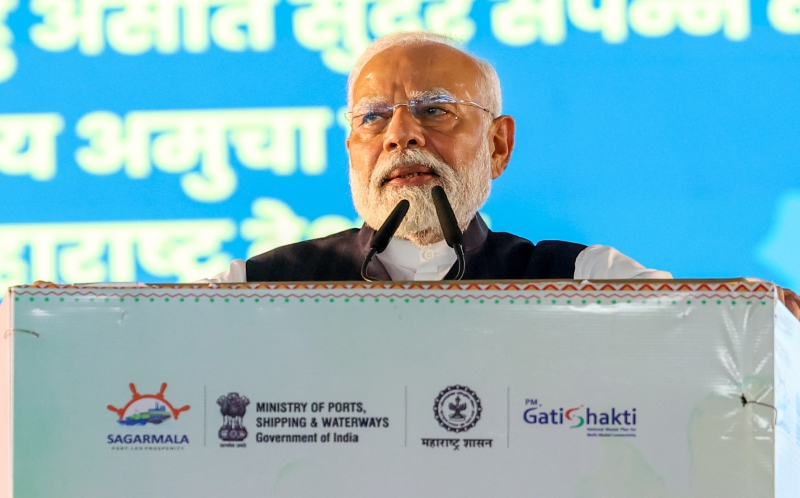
[{"x": 489, "y": 87}]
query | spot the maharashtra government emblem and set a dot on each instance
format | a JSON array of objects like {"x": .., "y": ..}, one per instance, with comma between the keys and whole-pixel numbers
[
  {"x": 233, "y": 408},
  {"x": 457, "y": 408}
]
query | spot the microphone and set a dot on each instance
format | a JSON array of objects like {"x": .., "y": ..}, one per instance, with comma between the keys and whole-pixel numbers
[
  {"x": 382, "y": 237},
  {"x": 452, "y": 233}
]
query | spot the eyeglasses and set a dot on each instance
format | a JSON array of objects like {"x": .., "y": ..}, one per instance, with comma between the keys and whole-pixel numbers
[{"x": 435, "y": 112}]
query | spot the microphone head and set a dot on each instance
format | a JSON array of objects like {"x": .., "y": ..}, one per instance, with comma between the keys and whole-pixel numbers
[
  {"x": 385, "y": 233},
  {"x": 447, "y": 218}
]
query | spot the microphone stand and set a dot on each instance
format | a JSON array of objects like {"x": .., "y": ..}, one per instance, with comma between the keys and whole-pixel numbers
[
  {"x": 382, "y": 237},
  {"x": 452, "y": 233},
  {"x": 462, "y": 266}
]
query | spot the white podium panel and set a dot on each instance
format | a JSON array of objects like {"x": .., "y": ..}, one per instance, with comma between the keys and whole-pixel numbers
[{"x": 564, "y": 389}]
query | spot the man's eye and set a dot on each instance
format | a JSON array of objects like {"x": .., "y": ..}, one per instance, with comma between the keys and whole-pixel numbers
[
  {"x": 372, "y": 117},
  {"x": 433, "y": 111}
]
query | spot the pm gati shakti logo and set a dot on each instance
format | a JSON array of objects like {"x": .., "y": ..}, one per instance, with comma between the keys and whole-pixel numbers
[
  {"x": 146, "y": 422},
  {"x": 612, "y": 422}
]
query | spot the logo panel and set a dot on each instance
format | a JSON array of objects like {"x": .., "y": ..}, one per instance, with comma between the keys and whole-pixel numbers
[
  {"x": 142, "y": 411},
  {"x": 233, "y": 407},
  {"x": 457, "y": 408}
]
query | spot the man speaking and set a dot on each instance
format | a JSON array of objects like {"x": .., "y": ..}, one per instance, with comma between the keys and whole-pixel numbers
[{"x": 425, "y": 113}]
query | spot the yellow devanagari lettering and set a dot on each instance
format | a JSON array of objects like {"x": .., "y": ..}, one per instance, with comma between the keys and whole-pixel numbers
[
  {"x": 28, "y": 144},
  {"x": 522, "y": 22}
]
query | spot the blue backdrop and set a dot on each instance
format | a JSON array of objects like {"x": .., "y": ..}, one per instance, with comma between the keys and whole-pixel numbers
[{"x": 155, "y": 140}]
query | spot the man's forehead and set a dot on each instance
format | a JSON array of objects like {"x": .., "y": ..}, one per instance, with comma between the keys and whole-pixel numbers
[
  {"x": 433, "y": 93},
  {"x": 412, "y": 71}
]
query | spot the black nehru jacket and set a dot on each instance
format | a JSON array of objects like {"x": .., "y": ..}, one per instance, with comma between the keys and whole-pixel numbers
[{"x": 488, "y": 256}]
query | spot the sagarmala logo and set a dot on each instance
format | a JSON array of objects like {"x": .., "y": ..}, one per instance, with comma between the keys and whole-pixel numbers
[
  {"x": 457, "y": 408},
  {"x": 145, "y": 409}
]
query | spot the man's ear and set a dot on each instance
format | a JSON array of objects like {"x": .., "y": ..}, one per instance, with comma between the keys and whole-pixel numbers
[{"x": 501, "y": 135}]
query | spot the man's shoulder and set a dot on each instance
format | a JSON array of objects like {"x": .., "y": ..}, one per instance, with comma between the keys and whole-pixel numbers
[
  {"x": 514, "y": 257},
  {"x": 325, "y": 258}
]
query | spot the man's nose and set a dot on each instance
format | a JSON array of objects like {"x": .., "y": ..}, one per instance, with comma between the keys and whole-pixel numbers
[{"x": 403, "y": 132}]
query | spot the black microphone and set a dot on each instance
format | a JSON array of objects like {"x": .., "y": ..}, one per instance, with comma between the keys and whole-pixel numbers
[
  {"x": 384, "y": 234},
  {"x": 452, "y": 233}
]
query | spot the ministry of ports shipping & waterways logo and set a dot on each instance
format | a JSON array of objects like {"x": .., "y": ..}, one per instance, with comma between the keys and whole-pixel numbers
[
  {"x": 233, "y": 408},
  {"x": 457, "y": 408},
  {"x": 147, "y": 410}
]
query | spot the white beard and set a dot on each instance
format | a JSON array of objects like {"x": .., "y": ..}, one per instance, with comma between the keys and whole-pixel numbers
[{"x": 467, "y": 187}]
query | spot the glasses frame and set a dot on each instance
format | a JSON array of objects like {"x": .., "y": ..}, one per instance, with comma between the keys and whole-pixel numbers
[{"x": 440, "y": 99}]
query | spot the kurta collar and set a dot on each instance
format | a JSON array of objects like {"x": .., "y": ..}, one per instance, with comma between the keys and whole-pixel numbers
[{"x": 474, "y": 237}]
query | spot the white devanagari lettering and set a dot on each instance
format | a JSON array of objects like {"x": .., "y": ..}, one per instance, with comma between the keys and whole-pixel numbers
[
  {"x": 28, "y": 144},
  {"x": 784, "y": 15},
  {"x": 185, "y": 250},
  {"x": 267, "y": 139},
  {"x": 14, "y": 267},
  {"x": 656, "y": 18},
  {"x": 8, "y": 59},
  {"x": 181, "y": 142},
  {"x": 609, "y": 18},
  {"x": 652, "y": 18},
  {"x": 706, "y": 17},
  {"x": 188, "y": 250},
  {"x": 142, "y": 26},
  {"x": 275, "y": 224},
  {"x": 138, "y": 26},
  {"x": 181, "y": 250},
  {"x": 342, "y": 29},
  {"x": 522, "y": 22},
  {"x": 256, "y": 16},
  {"x": 451, "y": 18},
  {"x": 67, "y": 23},
  {"x": 387, "y": 17},
  {"x": 336, "y": 28}
]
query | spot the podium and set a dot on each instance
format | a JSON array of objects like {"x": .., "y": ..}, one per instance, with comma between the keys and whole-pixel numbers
[{"x": 474, "y": 389}]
